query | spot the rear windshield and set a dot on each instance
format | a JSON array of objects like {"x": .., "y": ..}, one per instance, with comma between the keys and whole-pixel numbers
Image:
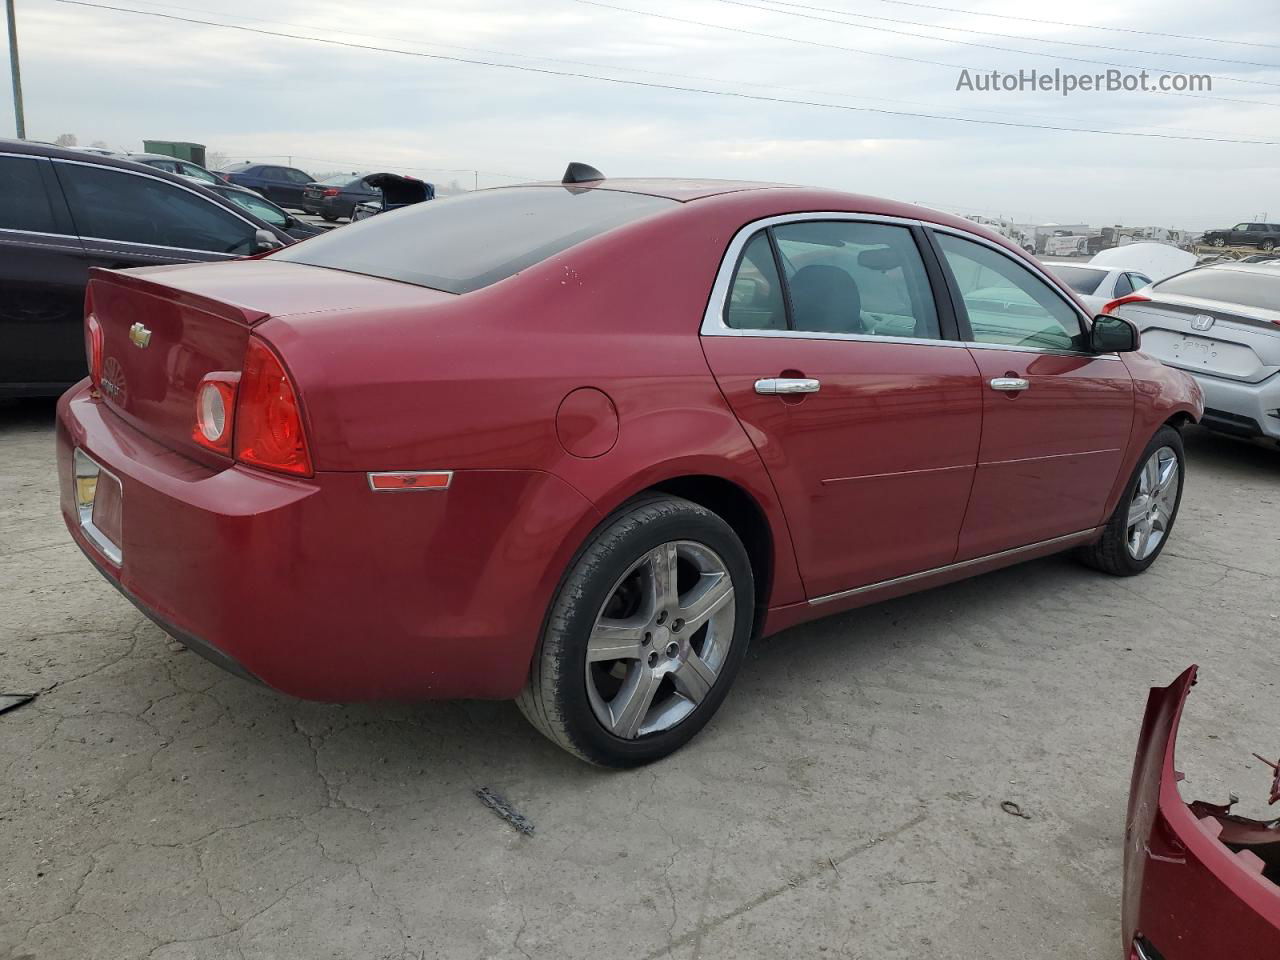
[
  {"x": 1227, "y": 286},
  {"x": 1080, "y": 279},
  {"x": 467, "y": 242}
]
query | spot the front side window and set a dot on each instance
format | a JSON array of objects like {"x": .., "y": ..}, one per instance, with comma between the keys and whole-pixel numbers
[
  {"x": 1006, "y": 303},
  {"x": 24, "y": 205},
  {"x": 469, "y": 241},
  {"x": 107, "y": 204}
]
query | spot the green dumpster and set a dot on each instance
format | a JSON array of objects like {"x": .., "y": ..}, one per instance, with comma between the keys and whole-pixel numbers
[{"x": 176, "y": 148}]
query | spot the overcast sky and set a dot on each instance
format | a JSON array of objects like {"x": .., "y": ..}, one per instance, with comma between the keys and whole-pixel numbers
[{"x": 121, "y": 77}]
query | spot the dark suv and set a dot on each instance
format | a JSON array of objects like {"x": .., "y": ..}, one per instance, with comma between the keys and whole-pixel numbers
[
  {"x": 280, "y": 185},
  {"x": 64, "y": 211},
  {"x": 1264, "y": 235}
]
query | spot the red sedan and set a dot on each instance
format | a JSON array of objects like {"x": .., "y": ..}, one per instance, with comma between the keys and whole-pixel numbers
[{"x": 578, "y": 443}]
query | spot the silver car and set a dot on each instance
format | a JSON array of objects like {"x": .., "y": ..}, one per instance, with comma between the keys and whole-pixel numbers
[{"x": 1221, "y": 324}]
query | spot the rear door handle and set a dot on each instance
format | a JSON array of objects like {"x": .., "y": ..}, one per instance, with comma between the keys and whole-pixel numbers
[
  {"x": 776, "y": 385},
  {"x": 1009, "y": 384}
]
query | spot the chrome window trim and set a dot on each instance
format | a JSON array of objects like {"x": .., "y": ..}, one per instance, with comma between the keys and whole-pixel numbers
[
  {"x": 948, "y": 567},
  {"x": 713, "y": 324},
  {"x": 155, "y": 246},
  {"x": 38, "y": 233}
]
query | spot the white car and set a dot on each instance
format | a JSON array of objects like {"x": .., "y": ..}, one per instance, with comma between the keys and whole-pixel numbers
[{"x": 1098, "y": 286}]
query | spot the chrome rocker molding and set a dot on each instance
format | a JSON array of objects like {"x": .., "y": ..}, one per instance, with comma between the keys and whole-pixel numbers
[{"x": 1078, "y": 537}]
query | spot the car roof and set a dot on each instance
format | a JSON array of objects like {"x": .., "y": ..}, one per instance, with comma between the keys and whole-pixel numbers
[
  {"x": 673, "y": 188},
  {"x": 158, "y": 156}
]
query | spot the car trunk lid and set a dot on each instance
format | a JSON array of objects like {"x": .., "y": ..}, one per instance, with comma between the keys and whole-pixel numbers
[
  {"x": 165, "y": 328},
  {"x": 1210, "y": 337}
]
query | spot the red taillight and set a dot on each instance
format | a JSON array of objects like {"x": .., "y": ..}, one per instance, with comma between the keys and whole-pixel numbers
[
  {"x": 268, "y": 429},
  {"x": 331, "y": 191},
  {"x": 93, "y": 348},
  {"x": 1121, "y": 301},
  {"x": 215, "y": 410}
]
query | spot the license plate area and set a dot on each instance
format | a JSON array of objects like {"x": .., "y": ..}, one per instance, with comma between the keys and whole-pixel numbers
[{"x": 99, "y": 505}]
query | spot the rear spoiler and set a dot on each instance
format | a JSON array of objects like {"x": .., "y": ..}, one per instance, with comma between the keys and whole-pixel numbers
[{"x": 236, "y": 313}]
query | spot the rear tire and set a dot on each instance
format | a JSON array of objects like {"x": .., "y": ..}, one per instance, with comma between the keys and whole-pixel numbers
[
  {"x": 666, "y": 585},
  {"x": 329, "y": 217},
  {"x": 1268, "y": 245},
  {"x": 1143, "y": 520}
]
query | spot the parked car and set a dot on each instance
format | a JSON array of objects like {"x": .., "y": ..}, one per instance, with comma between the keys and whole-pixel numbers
[
  {"x": 177, "y": 165},
  {"x": 281, "y": 185},
  {"x": 395, "y": 192},
  {"x": 580, "y": 444},
  {"x": 1199, "y": 880},
  {"x": 63, "y": 212},
  {"x": 336, "y": 196},
  {"x": 264, "y": 209},
  {"x": 1220, "y": 323},
  {"x": 1264, "y": 235},
  {"x": 1097, "y": 286}
]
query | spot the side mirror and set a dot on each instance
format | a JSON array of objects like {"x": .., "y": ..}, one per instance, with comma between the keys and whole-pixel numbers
[
  {"x": 265, "y": 240},
  {"x": 1111, "y": 334}
]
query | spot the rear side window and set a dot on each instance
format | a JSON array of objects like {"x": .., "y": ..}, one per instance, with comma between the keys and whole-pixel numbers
[
  {"x": 1226, "y": 286},
  {"x": 860, "y": 278},
  {"x": 755, "y": 296},
  {"x": 107, "y": 204},
  {"x": 467, "y": 242},
  {"x": 24, "y": 205}
]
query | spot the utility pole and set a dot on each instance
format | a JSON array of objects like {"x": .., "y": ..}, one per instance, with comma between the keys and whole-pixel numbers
[{"x": 19, "y": 120}]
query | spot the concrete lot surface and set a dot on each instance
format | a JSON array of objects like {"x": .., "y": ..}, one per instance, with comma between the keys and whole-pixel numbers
[{"x": 845, "y": 803}]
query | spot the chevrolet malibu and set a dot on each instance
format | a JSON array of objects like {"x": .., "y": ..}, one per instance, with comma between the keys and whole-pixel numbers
[{"x": 579, "y": 443}]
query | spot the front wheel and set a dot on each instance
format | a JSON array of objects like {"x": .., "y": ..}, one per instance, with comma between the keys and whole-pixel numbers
[
  {"x": 1143, "y": 520},
  {"x": 1219, "y": 241},
  {"x": 645, "y": 635}
]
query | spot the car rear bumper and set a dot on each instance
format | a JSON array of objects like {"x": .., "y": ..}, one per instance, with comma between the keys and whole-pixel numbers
[
  {"x": 321, "y": 587},
  {"x": 1245, "y": 409},
  {"x": 1187, "y": 895}
]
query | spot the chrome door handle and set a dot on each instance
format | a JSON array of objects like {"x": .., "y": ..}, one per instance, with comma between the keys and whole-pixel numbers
[
  {"x": 1009, "y": 384},
  {"x": 776, "y": 385}
]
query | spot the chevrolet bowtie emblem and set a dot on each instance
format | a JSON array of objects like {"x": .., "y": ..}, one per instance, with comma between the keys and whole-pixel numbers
[{"x": 140, "y": 336}]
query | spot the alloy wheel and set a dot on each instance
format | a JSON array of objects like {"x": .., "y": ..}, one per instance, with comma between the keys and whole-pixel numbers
[
  {"x": 660, "y": 639},
  {"x": 1154, "y": 502}
]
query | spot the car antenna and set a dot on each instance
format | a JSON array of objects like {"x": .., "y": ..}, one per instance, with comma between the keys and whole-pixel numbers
[{"x": 581, "y": 173}]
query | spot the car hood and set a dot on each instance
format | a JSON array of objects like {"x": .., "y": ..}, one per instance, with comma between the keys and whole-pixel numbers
[{"x": 1155, "y": 260}]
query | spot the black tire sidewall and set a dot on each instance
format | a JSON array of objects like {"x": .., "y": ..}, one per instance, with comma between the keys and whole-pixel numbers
[
  {"x": 603, "y": 567},
  {"x": 1165, "y": 437}
]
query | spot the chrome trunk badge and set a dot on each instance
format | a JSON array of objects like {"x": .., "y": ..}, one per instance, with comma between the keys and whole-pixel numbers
[
  {"x": 140, "y": 336},
  {"x": 1202, "y": 321}
]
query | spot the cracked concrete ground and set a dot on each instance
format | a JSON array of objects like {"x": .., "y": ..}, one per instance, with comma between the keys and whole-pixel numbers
[{"x": 845, "y": 803}]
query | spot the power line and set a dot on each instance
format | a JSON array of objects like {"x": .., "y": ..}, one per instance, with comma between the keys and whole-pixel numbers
[
  {"x": 759, "y": 98},
  {"x": 1011, "y": 36},
  {"x": 985, "y": 46},
  {"x": 1081, "y": 26},
  {"x": 702, "y": 78},
  {"x": 834, "y": 46}
]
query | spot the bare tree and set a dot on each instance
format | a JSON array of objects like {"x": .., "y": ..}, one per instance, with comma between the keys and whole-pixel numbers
[
  {"x": 100, "y": 144},
  {"x": 216, "y": 159},
  {"x": 66, "y": 140}
]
